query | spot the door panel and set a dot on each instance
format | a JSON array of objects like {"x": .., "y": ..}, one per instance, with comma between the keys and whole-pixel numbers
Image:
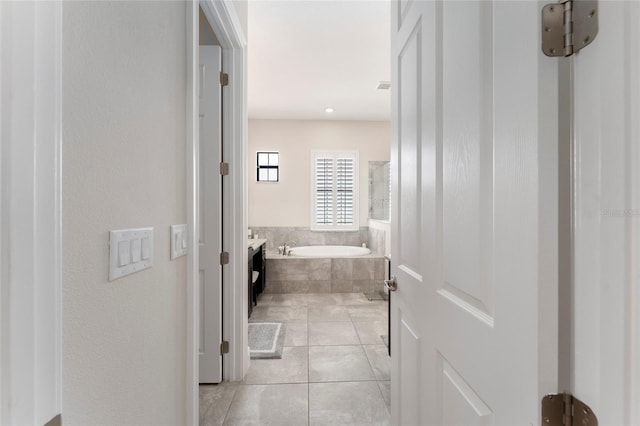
[
  {"x": 467, "y": 154},
  {"x": 468, "y": 132},
  {"x": 409, "y": 364},
  {"x": 210, "y": 215},
  {"x": 461, "y": 405},
  {"x": 409, "y": 190}
]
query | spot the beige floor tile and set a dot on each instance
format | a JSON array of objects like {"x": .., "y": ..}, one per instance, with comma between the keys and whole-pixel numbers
[
  {"x": 353, "y": 299},
  {"x": 369, "y": 332},
  {"x": 293, "y": 367},
  {"x": 385, "y": 388},
  {"x": 338, "y": 363},
  {"x": 282, "y": 300},
  {"x": 323, "y": 299},
  {"x": 379, "y": 360},
  {"x": 279, "y": 313},
  {"x": 375, "y": 312},
  {"x": 296, "y": 334},
  {"x": 323, "y": 345},
  {"x": 269, "y": 405},
  {"x": 347, "y": 403},
  {"x": 214, "y": 403},
  {"x": 328, "y": 313},
  {"x": 332, "y": 333}
]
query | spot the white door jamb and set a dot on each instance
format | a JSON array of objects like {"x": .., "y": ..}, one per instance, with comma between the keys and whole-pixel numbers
[
  {"x": 226, "y": 25},
  {"x": 30, "y": 224}
]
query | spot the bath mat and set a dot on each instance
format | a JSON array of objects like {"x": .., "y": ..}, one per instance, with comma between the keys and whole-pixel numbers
[{"x": 266, "y": 339}]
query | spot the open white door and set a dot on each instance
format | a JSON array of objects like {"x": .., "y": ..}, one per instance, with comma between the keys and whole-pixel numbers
[
  {"x": 606, "y": 163},
  {"x": 210, "y": 214},
  {"x": 474, "y": 153}
]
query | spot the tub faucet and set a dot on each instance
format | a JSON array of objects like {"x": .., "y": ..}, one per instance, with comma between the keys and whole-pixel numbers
[{"x": 286, "y": 249}]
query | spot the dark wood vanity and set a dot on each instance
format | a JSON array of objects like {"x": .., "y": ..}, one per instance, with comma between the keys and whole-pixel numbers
[{"x": 257, "y": 263}]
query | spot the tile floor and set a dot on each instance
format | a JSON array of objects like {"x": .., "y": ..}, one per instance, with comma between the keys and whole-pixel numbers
[{"x": 334, "y": 368}]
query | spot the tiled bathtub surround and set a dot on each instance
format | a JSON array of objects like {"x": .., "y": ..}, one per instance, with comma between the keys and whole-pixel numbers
[
  {"x": 314, "y": 275},
  {"x": 377, "y": 241},
  {"x": 303, "y": 236},
  {"x": 379, "y": 190}
]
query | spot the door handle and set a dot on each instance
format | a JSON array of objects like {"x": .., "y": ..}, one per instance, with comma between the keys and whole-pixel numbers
[{"x": 392, "y": 284}]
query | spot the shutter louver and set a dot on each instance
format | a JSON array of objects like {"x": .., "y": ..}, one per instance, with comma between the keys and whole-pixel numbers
[
  {"x": 324, "y": 191},
  {"x": 344, "y": 191}
]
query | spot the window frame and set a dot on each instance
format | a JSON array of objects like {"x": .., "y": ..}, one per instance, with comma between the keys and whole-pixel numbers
[
  {"x": 267, "y": 167},
  {"x": 335, "y": 155}
]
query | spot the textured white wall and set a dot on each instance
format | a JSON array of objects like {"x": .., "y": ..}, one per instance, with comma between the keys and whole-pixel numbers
[
  {"x": 124, "y": 166},
  {"x": 242, "y": 10},
  {"x": 288, "y": 202}
]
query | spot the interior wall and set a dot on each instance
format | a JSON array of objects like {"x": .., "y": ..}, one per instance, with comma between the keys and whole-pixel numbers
[
  {"x": 288, "y": 202},
  {"x": 124, "y": 346},
  {"x": 242, "y": 10}
]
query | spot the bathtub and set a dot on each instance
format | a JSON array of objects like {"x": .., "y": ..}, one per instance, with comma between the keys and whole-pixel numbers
[
  {"x": 325, "y": 269},
  {"x": 329, "y": 251}
]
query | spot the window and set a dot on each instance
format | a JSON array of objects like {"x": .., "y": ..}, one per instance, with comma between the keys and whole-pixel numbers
[
  {"x": 268, "y": 166},
  {"x": 334, "y": 190}
]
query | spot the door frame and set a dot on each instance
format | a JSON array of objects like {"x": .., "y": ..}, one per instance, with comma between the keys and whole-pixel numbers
[
  {"x": 31, "y": 213},
  {"x": 225, "y": 23}
]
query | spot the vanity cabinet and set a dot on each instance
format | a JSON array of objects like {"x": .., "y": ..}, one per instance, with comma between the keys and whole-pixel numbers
[{"x": 256, "y": 257}]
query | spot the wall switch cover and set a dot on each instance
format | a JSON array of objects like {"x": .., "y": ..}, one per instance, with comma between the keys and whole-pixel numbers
[
  {"x": 124, "y": 255},
  {"x": 146, "y": 247},
  {"x": 135, "y": 250},
  {"x": 179, "y": 238},
  {"x": 130, "y": 250}
]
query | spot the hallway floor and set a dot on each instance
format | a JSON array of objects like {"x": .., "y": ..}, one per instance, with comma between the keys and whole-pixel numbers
[{"x": 334, "y": 368}]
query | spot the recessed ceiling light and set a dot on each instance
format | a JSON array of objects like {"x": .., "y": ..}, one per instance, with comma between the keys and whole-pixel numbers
[
  {"x": 329, "y": 109},
  {"x": 383, "y": 85}
]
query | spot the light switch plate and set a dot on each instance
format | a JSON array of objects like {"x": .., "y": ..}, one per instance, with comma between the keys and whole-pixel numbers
[
  {"x": 179, "y": 240},
  {"x": 132, "y": 248}
]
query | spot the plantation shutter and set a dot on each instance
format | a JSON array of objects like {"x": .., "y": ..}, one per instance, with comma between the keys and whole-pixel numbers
[
  {"x": 344, "y": 191},
  {"x": 324, "y": 191},
  {"x": 334, "y": 193}
]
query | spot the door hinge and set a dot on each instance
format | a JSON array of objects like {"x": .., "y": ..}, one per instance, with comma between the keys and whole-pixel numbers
[
  {"x": 224, "y": 347},
  {"x": 565, "y": 410},
  {"x": 224, "y": 168},
  {"x": 224, "y": 79},
  {"x": 569, "y": 26},
  {"x": 224, "y": 258}
]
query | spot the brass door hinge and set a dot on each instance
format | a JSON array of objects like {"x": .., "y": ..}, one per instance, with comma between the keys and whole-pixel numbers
[
  {"x": 224, "y": 347},
  {"x": 224, "y": 79},
  {"x": 224, "y": 258},
  {"x": 569, "y": 26},
  {"x": 56, "y": 421},
  {"x": 566, "y": 410},
  {"x": 224, "y": 168}
]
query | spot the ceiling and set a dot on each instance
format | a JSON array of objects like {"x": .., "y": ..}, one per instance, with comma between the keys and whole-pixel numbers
[{"x": 304, "y": 56}]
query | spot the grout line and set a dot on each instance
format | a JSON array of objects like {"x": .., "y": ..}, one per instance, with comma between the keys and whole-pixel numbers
[{"x": 226, "y": 413}]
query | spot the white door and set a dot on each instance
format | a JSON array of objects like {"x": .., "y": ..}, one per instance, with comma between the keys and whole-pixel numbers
[
  {"x": 606, "y": 352},
  {"x": 210, "y": 215},
  {"x": 474, "y": 153}
]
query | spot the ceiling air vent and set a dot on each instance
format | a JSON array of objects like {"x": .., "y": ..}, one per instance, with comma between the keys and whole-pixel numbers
[{"x": 383, "y": 85}]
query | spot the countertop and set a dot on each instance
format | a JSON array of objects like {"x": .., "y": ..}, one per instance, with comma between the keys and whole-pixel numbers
[{"x": 256, "y": 243}]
